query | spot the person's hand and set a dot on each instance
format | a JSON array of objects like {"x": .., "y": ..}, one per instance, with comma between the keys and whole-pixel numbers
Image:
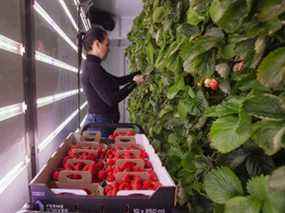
[{"x": 139, "y": 79}]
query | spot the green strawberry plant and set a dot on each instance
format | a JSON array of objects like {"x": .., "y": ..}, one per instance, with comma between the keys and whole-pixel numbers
[{"x": 215, "y": 98}]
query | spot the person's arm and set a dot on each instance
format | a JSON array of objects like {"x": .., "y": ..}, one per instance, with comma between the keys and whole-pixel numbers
[
  {"x": 102, "y": 87},
  {"x": 125, "y": 79}
]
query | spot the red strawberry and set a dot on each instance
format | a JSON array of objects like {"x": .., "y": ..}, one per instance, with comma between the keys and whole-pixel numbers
[
  {"x": 137, "y": 184},
  {"x": 68, "y": 166},
  {"x": 100, "y": 165},
  {"x": 137, "y": 178},
  {"x": 129, "y": 165},
  {"x": 72, "y": 152},
  {"x": 126, "y": 178},
  {"x": 155, "y": 185},
  {"x": 130, "y": 133},
  {"x": 143, "y": 154},
  {"x": 214, "y": 84},
  {"x": 116, "y": 170},
  {"x": 78, "y": 166},
  {"x": 55, "y": 175},
  {"x": 147, "y": 184},
  {"x": 102, "y": 175},
  {"x": 111, "y": 161},
  {"x": 110, "y": 178},
  {"x": 123, "y": 186},
  {"x": 128, "y": 187},
  {"x": 147, "y": 164},
  {"x": 152, "y": 175},
  {"x": 117, "y": 155},
  {"x": 89, "y": 168},
  {"x": 107, "y": 189},
  {"x": 128, "y": 154}
]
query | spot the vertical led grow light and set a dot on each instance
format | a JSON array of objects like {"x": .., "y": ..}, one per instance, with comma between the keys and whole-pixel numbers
[
  {"x": 52, "y": 135},
  {"x": 52, "y": 23},
  {"x": 62, "y": 3}
]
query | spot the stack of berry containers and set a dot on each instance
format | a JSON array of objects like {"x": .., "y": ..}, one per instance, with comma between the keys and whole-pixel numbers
[
  {"x": 122, "y": 166},
  {"x": 128, "y": 166},
  {"x": 120, "y": 174}
]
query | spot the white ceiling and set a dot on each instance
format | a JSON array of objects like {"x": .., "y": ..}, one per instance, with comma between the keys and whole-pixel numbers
[
  {"x": 121, "y": 8},
  {"x": 124, "y": 10}
]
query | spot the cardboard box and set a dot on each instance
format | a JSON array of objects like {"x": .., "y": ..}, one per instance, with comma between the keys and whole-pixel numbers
[
  {"x": 91, "y": 136},
  {"x": 123, "y": 145},
  {"x": 125, "y": 139},
  {"x": 134, "y": 152},
  {"x": 45, "y": 199},
  {"x": 139, "y": 162},
  {"x": 84, "y": 184},
  {"x": 123, "y": 130}
]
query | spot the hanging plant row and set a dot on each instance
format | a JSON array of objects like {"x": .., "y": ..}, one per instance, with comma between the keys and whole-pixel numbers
[{"x": 214, "y": 101}]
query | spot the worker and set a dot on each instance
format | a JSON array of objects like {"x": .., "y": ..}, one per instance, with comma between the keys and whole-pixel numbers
[{"x": 102, "y": 89}]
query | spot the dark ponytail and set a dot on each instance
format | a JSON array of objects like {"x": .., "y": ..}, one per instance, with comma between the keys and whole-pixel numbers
[{"x": 81, "y": 38}]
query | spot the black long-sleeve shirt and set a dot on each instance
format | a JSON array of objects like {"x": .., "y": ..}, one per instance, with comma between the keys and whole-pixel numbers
[{"x": 102, "y": 89}]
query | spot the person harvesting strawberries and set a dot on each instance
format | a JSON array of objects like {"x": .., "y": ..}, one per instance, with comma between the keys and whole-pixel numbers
[{"x": 102, "y": 89}]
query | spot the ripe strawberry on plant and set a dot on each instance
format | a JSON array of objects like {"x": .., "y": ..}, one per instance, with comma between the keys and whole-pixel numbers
[
  {"x": 211, "y": 83},
  {"x": 214, "y": 84}
]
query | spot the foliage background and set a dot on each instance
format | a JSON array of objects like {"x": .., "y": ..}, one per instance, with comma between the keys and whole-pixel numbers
[{"x": 220, "y": 146}]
